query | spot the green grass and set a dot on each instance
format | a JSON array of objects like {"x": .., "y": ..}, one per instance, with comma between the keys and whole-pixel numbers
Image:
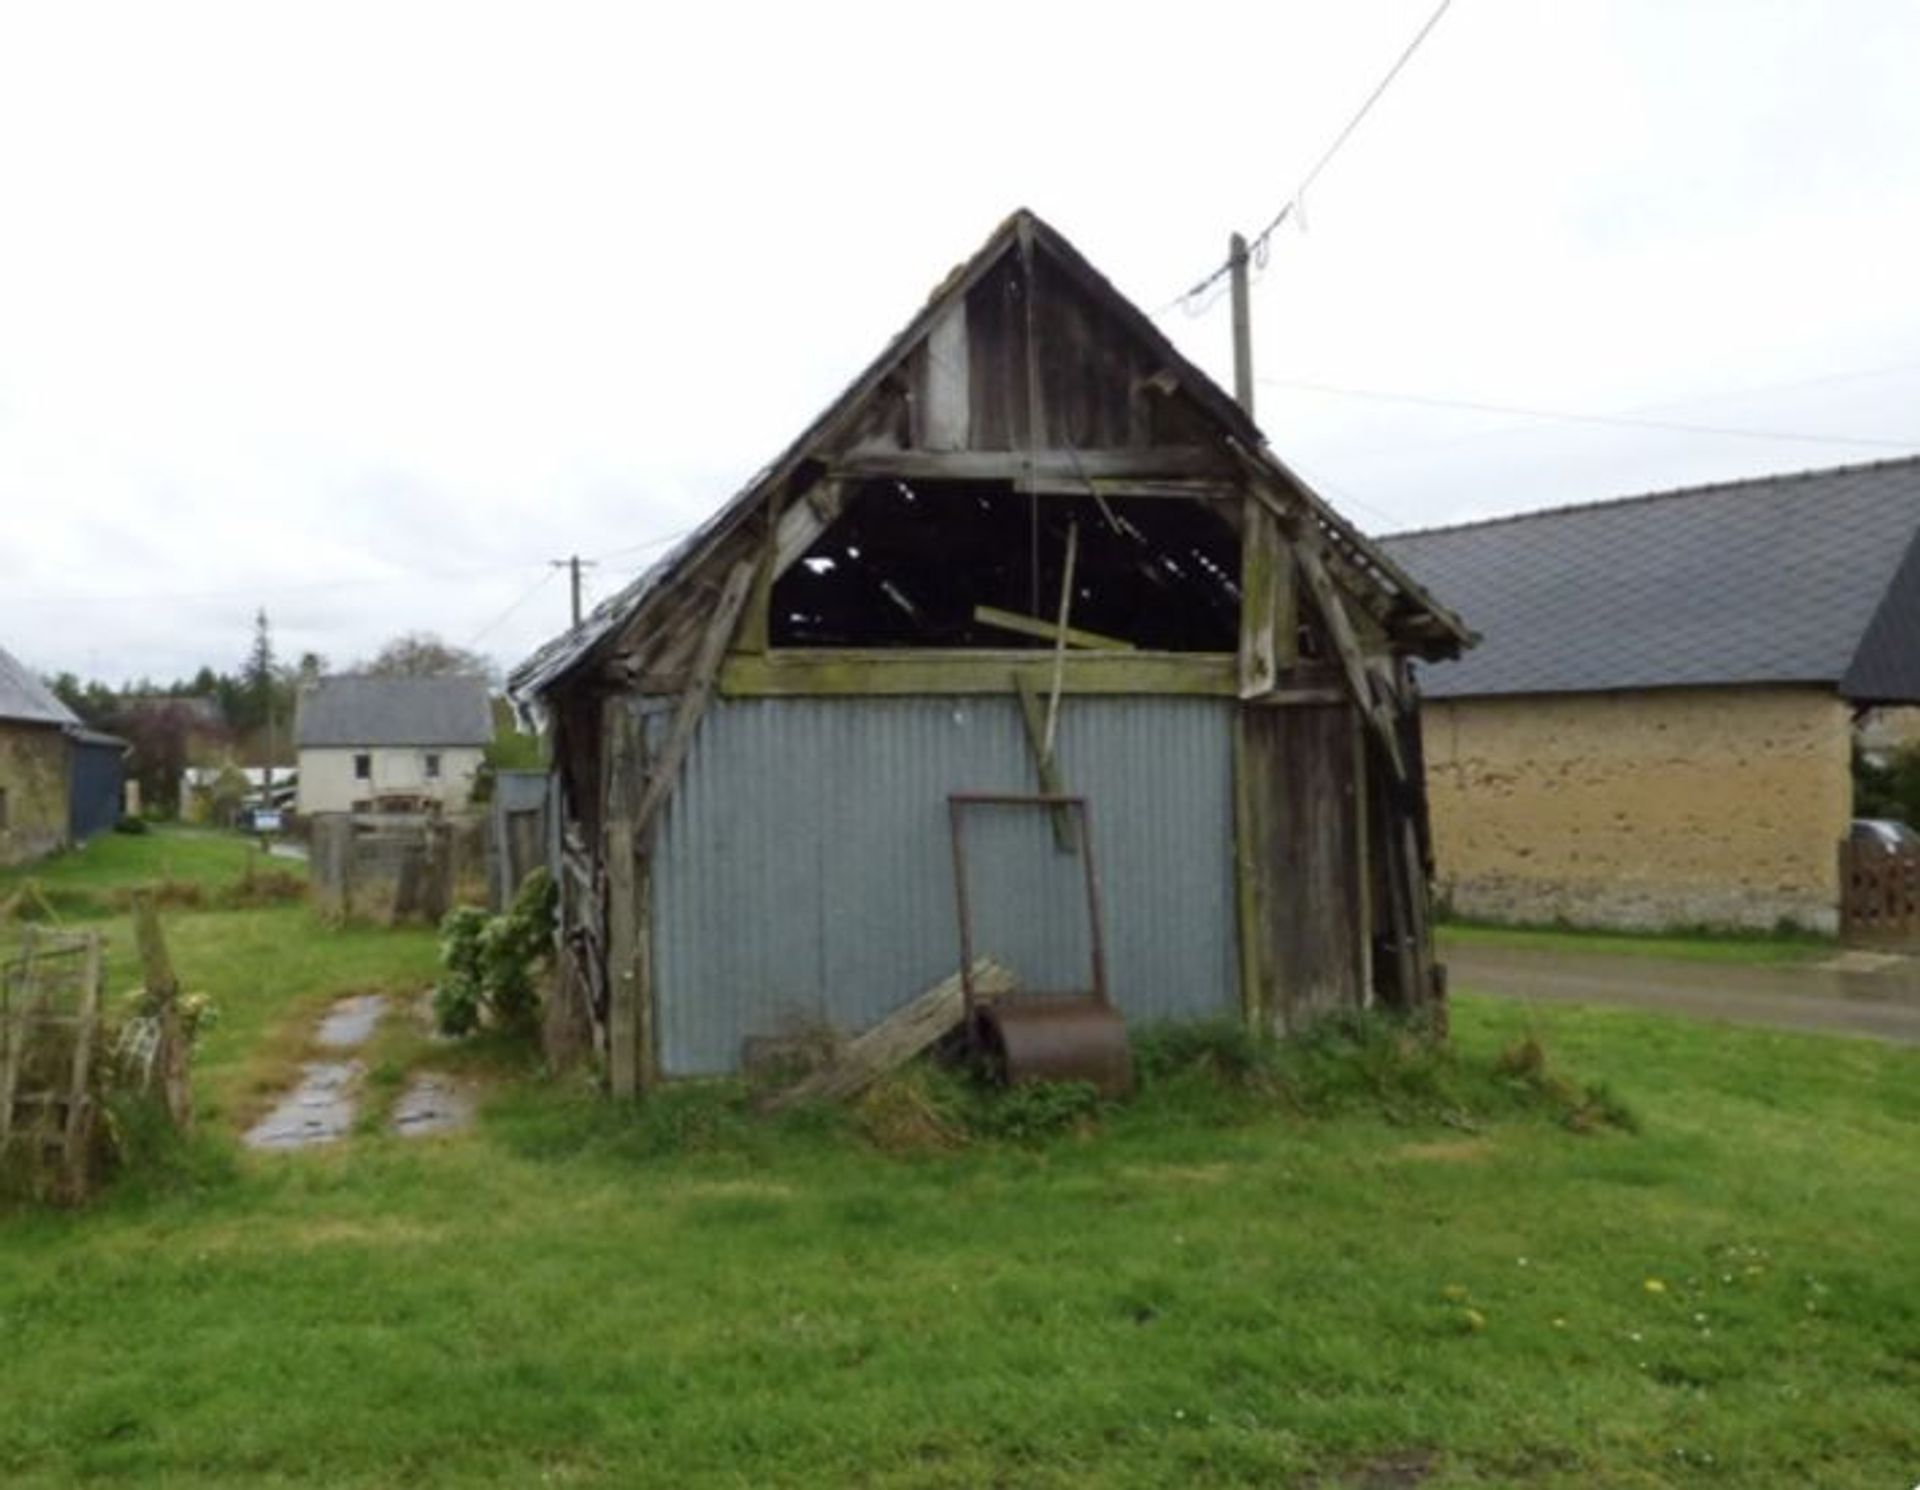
[
  {"x": 1692, "y": 946},
  {"x": 1213, "y": 1286},
  {"x": 90, "y": 882}
]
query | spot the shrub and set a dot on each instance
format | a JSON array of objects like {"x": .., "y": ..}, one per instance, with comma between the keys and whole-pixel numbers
[
  {"x": 131, "y": 825},
  {"x": 490, "y": 964}
]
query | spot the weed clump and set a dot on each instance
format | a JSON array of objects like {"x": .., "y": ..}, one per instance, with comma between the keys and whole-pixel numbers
[{"x": 1351, "y": 1062}]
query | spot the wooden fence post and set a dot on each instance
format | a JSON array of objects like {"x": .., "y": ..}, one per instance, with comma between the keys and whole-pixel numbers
[{"x": 163, "y": 988}]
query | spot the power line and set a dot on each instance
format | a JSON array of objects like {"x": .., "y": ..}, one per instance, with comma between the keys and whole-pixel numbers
[
  {"x": 500, "y": 620},
  {"x": 659, "y": 542},
  {"x": 1262, "y": 241},
  {"x": 1626, "y": 421}
]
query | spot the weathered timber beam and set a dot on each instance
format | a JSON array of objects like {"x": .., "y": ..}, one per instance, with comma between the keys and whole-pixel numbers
[
  {"x": 624, "y": 753},
  {"x": 808, "y": 673},
  {"x": 1006, "y": 620},
  {"x": 693, "y": 703},
  {"x": 899, "y": 1037},
  {"x": 1033, "y": 719},
  {"x": 803, "y": 522},
  {"x": 1073, "y": 467},
  {"x": 1346, "y": 646}
]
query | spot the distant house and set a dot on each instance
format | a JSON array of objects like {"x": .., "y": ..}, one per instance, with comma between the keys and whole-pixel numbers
[
  {"x": 364, "y": 740},
  {"x": 60, "y": 782},
  {"x": 1657, "y": 729}
]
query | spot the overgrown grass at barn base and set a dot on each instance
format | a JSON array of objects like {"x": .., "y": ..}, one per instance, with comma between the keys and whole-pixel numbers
[{"x": 1304, "y": 1265}]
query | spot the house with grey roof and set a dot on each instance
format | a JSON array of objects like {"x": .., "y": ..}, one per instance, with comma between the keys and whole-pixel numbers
[
  {"x": 370, "y": 741},
  {"x": 1658, "y": 725}
]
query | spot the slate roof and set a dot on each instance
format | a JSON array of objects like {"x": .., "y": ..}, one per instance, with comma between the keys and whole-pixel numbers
[
  {"x": 355, "y": 711},
  {"x": 1806, "y": 578},
  {"x": 24, "y": 697}
]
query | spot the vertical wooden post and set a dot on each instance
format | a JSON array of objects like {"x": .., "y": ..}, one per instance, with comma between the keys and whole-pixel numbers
[
  {"x": 629, "y": 1037},
  {"x": 80, "y": 1091},
  {"x": 163, "y": 988},
  {"x": 1248, "y": 876},
  {"x": 1265, "y": 622},
  {"x": 13, "y": 1010},
  {"x": 1242, "y": 324}
]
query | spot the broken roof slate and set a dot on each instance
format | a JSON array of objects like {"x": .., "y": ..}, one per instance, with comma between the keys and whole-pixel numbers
[
  {"x": 353, "y": 711},
  {"x": 25, "y": 699},
  {"x": 1812, "y": 577}
]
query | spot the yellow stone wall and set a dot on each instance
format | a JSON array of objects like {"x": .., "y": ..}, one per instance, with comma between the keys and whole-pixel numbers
[
  {"x": 1669, "y": 807},
  {"x": 33, "y": 774}
]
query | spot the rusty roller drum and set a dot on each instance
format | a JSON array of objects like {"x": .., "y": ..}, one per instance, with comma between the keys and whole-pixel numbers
[{"x": 1036, "y": 1038}]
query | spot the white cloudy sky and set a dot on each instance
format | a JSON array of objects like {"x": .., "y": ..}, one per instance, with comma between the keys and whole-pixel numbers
[{"x": 364, "y": 312}]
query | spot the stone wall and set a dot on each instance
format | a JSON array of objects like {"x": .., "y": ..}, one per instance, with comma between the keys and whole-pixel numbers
[
  {"x": 33, "y": 776},
  {"x": 1671, "y": 807}
]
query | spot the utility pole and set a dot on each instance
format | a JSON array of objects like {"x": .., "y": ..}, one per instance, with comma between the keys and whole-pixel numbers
[
  {"x": 1242, "y": 324},
  {"x": 574, "y": 565}
]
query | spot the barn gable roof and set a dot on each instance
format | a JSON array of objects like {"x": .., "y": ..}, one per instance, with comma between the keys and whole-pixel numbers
[
  {"x": 627, "y": 611},
  {"x": 25, "y": 699},
  {"x": 1812, "y": 577},
  {"x": 352, "y": 711}
]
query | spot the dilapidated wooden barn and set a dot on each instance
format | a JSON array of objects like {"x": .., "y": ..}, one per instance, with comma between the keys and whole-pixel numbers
[{"x": 1031, "y": 549}]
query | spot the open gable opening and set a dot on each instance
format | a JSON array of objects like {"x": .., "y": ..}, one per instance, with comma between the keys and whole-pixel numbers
[{"x": 977, "y": 564}]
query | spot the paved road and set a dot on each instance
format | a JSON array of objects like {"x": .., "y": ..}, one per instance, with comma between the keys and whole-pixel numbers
[{"x": 1851, "y": 994}]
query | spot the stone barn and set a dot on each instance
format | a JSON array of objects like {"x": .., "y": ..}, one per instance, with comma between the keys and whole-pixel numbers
[
  {"x": 1658, "y": 729},
  {"x": 1032, "y": 548},
  {"x": 35, "y": 790}
]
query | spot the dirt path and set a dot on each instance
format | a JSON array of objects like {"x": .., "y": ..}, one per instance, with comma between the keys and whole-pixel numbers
[
  {"x": 321, "y": 1108},
  {"x": 1849, "y": 994}
]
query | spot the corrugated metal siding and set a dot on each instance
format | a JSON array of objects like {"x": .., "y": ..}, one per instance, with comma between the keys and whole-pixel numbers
[{"x": 805, "y": 868}]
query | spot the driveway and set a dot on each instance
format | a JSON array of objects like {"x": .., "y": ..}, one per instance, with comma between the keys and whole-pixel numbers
[{"x": 1851, "y": 993}]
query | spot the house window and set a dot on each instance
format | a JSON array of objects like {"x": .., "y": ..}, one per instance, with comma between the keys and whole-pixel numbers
[
  {"x": 433, "y": 765},
  {"x": 363, "y": 768}
]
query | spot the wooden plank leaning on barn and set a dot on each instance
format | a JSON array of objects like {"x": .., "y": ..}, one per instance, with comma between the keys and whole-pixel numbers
[
  {"x": 899, "y": 1037},
  {"x": 1033, "y": 719}
]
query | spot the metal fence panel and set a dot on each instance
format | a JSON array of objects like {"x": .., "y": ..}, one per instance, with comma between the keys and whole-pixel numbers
[{"x": 805, "y": 876}]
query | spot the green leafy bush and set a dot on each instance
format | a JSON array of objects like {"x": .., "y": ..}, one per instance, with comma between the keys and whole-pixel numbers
[{"x": 490, "y": 965}]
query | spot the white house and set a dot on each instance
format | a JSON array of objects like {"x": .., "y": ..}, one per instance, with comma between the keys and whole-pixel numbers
[{"x": 366, "y": 740}]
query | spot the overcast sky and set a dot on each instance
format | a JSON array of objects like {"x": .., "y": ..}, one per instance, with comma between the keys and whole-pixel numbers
[{"x": 364, "y": 312}]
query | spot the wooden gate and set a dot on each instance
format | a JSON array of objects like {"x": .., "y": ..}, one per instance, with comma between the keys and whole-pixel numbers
[
  {"x": 49, "y": 1025},
  {"x": 1879, "y": 893}
]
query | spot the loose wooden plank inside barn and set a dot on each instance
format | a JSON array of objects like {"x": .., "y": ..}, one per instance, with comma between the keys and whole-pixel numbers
[{"x": 757, "y": 740}]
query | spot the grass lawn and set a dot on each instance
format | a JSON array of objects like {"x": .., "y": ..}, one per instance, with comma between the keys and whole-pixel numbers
[
  {"x": 1200, "y": 1290},
  {"x": 1756, "y": 948},
  {"x": 89, "y": 882}
]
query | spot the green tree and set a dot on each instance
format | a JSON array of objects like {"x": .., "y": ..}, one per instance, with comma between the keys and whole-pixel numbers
[{"x": 422, "y": 654}]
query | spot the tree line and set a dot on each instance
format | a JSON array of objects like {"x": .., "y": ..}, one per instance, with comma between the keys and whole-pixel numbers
[{"x": 241, "y": 717}]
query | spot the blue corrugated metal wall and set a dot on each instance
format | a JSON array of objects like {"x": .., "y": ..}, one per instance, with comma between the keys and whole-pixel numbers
[
  {"x": 805, "y": 871},
  {"x": 96, "y": 785}
]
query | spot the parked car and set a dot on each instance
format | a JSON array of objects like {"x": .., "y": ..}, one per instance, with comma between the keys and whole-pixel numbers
[{"x": 1885, "y": 834}]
